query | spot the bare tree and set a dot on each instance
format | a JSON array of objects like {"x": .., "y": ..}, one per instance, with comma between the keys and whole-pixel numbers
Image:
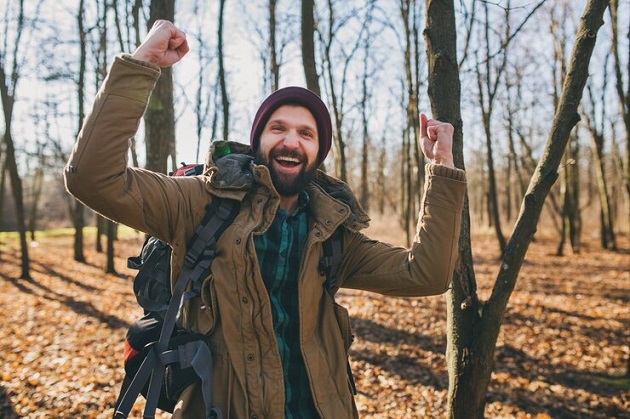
[
  {"x": 622, "y": 93},
  {"x": 36, "y": 186},
  {"x": 336, "y": 89},
  {"x": 273, "y": 54},
  {"x": 9, "y": 77},
  {"x": 488, "y": 83},
  {"x": 473, "y": 325},
  {"x": 364, "y": 194},
  {"x": 595, "y": 127},
  {"x": 225, "y": 101},
  {"x": 569, "y": 210},
  {"x": 205, "y": 94},
  {"x": 413, "y": 159},
  {"x": 77, "y": 209}
]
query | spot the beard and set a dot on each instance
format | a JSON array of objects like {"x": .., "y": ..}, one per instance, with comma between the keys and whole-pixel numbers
[{"x": 285, "y": 184}]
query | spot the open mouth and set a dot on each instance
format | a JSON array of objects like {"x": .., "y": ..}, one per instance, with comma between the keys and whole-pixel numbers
[{"x": 288, "y": 162}]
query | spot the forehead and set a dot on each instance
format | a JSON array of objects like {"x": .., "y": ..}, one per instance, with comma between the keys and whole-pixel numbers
[{"x": 294, "y": 114}]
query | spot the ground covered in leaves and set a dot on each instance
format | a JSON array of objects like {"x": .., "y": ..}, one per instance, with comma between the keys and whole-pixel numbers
[{"x": 562, "y": 352}]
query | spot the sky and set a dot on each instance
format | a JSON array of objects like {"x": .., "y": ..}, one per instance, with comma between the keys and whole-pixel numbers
[{"x": 52, "y": 50}]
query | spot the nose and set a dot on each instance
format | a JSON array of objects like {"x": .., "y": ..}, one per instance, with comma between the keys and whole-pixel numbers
[{"x": 292, "y": 139}]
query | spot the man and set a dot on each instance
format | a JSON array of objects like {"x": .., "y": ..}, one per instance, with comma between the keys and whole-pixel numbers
[{"x": 279, "y": 342}]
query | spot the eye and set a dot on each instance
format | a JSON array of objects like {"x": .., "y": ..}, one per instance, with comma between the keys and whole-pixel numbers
[
  {"x": 307, "y": 133},
  {"x": 277, "y": 128}
]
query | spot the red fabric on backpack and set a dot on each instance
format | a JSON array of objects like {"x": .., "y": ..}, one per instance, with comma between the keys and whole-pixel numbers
[{"x": 129, "y": 352}]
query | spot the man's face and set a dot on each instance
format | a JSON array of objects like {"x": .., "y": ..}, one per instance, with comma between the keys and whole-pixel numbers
[{"x": 288, "y": 147}]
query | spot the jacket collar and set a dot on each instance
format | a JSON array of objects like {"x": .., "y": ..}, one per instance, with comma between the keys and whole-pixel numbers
[{"x": 332, "y": 201}]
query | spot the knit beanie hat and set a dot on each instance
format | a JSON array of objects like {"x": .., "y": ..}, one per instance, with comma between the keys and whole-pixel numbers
[{"x": 296, "y": 96}]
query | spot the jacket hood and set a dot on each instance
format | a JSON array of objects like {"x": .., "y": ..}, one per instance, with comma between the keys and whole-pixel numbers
[{"x": 236, "y": 182}]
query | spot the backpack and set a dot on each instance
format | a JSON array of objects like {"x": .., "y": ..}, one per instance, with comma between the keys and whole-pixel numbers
[{"x": 160, "y": 359}]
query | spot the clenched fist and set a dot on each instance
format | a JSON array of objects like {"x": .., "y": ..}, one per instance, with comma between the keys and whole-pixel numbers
[
  {"x": 164, "y": 45},
  {"x": 437, "y": 141}
]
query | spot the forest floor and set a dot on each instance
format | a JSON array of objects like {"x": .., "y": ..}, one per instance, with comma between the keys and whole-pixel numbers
[{"x": 562, "y": 352}]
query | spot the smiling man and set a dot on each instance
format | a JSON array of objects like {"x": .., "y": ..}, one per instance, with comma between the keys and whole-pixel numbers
[
  {"x": 286, "y": 138},
  {"x": 279, "y": 342}
]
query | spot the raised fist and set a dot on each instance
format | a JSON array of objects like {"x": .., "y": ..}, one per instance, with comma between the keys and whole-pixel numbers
[
  {"x": 437, "y": 141},
  {"x": 163, "y": 46}
]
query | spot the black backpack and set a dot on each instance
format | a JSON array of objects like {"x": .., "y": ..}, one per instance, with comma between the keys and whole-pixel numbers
[{"x": 161, "y": 360}]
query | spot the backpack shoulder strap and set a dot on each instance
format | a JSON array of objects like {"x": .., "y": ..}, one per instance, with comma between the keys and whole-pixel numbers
[{"x": 201, "y": 252}]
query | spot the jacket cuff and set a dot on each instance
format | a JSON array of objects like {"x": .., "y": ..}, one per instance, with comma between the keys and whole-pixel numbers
[
  {"x": 131, "y": 78},
  {"x": 447, "y": 172}
]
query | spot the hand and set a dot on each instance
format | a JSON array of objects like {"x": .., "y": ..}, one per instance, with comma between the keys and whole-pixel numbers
[
  {"x": 164, "y": 45},
  {"x": 437, "y": 141}
]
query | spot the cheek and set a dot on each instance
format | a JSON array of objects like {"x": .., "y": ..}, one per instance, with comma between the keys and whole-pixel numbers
[
  {"x": 267, "y": 143},
  {"x": 311, "y": 149}
]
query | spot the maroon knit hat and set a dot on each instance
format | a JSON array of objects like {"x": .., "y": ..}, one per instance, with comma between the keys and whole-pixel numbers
[{"x": 297, "y": 96}]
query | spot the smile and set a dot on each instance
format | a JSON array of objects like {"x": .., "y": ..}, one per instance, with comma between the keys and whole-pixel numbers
[{"x": 286, "y": 161}]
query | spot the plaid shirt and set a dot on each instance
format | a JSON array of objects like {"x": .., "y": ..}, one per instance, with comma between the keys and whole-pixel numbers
[{"x": 279, "y": 252}]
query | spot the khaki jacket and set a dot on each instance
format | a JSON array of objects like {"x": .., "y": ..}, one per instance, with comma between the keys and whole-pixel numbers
[{"x": 234, "y": 310}]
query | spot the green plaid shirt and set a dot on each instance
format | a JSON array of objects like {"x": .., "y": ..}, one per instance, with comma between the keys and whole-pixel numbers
[{"x": 279, "y": 252}]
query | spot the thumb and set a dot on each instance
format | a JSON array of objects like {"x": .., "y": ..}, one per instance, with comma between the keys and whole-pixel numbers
[{"x": 423, "y": 125}]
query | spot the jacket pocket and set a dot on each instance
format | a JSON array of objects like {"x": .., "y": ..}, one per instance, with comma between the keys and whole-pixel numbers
[{"x": 208, "y": 313}]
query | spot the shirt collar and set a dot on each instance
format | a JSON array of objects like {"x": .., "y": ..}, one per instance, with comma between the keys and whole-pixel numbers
[{"x": 303, "y": 200}]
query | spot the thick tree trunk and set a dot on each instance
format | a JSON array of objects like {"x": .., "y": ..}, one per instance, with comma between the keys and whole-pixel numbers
[
  {"x": 473, "y": 327},
  {"x": 308, "y": 46},
  {"x": 159, "y": 118}
]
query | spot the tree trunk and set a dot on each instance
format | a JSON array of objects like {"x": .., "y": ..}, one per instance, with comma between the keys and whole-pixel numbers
[
  {"x": 16, "y": 187},
  {"x": 3, "y": 176},
  {"x": 100, "y": 232},
  {"x": 273, "y": 53},
  {"x": 159, "y": 118},
  {"x": 76, "y": 208},
  {"x": 364, "y": 196},
  {"x": 412, "y": 146},
  {"x": 37, "y": 185},
  {"x": 473, "y": 327},
  {"x": 575, "y": 216},
  {"x": 337, "y": 112},
  {"x": 624, "y": 96},
  {"x": 488, "y": 85},
  {"x": 111, "y": 237},
  {"x": 569, "y": 189},
  {"x": 222, "y": 81},
  {"x": 308, "y": 46},
  {"x": 607, "y": 231},
  {"x": 8, "y": 86}
]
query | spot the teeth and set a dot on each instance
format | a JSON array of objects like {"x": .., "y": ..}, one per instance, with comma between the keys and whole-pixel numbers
[{"x": 288, "y": 159}]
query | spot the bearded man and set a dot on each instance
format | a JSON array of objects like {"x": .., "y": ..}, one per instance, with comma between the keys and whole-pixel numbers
[{"x": 278, "y": 340}]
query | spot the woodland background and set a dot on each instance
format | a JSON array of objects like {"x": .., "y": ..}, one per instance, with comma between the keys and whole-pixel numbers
[{"x": 373, "y": 63}]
